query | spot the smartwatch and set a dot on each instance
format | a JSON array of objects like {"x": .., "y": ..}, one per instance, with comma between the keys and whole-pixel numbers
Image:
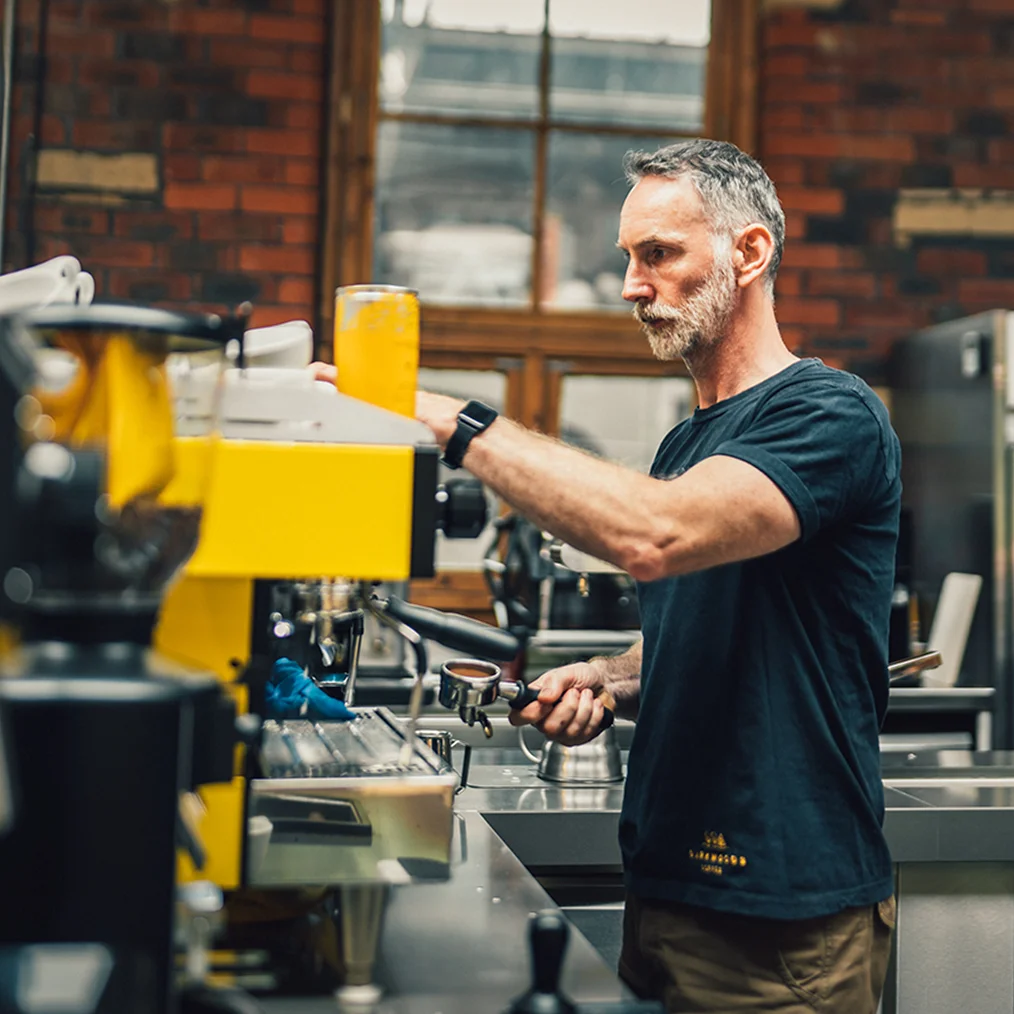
[{"x": 472, "y": 420}]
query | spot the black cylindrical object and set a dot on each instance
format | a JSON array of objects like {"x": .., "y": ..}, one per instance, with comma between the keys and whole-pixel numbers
[
  {"x": 459, "y": 632},
  {"x": 98, "y": 765}
]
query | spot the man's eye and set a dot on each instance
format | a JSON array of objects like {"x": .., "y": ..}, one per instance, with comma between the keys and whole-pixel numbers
[{"x": 655, "y": 254}]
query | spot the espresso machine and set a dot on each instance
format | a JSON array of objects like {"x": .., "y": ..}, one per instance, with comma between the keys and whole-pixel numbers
[{"x": 103, "y": 737}]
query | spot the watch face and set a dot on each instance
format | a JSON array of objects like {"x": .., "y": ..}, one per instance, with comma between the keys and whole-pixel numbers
[{"x": 482, "y": 415}]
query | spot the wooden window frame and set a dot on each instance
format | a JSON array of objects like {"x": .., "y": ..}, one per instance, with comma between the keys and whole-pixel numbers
[{"x": 534, "y": 346}]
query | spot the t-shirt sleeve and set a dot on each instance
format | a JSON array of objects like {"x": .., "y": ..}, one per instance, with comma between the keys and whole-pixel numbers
[{"x": 824, "y": 447}]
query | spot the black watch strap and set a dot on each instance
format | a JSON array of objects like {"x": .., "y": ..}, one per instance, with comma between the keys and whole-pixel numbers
[{"x": 472, "y": 420}]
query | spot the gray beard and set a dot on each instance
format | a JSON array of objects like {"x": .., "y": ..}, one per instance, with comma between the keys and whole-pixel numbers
[{"x": 698, "y": 325}]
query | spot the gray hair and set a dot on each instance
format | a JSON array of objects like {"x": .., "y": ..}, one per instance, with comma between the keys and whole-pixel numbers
[{"x": 733, "y": 188}]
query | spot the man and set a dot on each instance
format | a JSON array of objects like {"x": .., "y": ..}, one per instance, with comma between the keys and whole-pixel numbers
[{"x": 763, "y": 545}]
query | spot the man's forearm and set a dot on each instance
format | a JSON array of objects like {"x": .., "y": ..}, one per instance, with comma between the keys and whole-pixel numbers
[{"x": 621, "y": 675}]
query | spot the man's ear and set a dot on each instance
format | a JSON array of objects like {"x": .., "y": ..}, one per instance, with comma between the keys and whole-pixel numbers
[{"x": 751, "y": 253}]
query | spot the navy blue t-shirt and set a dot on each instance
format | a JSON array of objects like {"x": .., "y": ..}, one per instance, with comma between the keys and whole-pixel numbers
[{"x": 754, "y": 775}]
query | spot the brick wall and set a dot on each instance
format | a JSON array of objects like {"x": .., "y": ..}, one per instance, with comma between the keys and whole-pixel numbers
[
  {"x": 209, "y": 113},
  {"x": 218, "y": 105},
  {"x": 858, "y": 104}
]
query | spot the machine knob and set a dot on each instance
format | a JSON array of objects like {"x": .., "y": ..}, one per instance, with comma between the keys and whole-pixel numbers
[
  {"x": 547, "y": 937},
  {"x": 462, "y": 510}
]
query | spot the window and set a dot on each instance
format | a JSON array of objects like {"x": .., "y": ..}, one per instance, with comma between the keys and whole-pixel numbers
[
  {"x": 474, "y": 153},
  {"x": 501, "y": 133}
]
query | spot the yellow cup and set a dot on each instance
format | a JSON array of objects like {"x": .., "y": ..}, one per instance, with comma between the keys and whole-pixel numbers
[{"x": 376, "y": 345}]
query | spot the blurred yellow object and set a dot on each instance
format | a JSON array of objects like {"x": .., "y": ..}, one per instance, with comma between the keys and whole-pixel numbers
[
  {"x": 376, "y": 345},
  {"x": 118, "y": 399}
]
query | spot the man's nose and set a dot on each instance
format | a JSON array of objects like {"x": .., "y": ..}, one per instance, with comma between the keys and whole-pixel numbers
[{"x": 636, "y": 288}]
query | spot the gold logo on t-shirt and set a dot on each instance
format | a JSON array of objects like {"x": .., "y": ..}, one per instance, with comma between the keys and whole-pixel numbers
[{"x": 715, "y": 856}]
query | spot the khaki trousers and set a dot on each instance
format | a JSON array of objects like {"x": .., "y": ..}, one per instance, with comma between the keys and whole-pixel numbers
[{"x": 697, "y": 960}]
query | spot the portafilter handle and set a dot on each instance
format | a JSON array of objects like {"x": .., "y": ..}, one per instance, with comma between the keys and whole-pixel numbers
[
  {"x": 520, "y": 695},
  {"x": 910, "y": 666}
]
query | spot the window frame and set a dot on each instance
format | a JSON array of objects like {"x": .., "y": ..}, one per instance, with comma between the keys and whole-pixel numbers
[{"x": 535, "y": 346}]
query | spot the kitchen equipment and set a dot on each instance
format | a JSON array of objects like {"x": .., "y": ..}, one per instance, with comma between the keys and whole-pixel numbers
[
  {"x": 467, "y": 685},
  {"x": 952, "y": 394},
  {"x": 593, "y": 763},
  {"x": 906, "y": 667}
]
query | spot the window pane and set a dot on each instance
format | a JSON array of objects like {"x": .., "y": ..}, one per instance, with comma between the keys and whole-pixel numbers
[
  {"x": 629, "y": 64},
  {"x": 454, "y": 212},
  {"x": 623, "y": 418},
  {"x": 490, "y": 387},
  {"x": 585, "y": 186},
  {"x": 461, "y": 57}
]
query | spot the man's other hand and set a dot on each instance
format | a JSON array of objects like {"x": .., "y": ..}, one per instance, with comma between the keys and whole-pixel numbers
[{"x": 567, "y": 710}]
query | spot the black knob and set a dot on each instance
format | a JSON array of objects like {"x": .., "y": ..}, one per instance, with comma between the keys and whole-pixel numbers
[
  {"x": 547, "y": 937},
  {"x": 461, "y": 508}
]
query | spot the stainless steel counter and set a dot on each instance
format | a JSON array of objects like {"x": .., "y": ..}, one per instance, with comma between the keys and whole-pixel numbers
[{"x": 460, "y": 947}]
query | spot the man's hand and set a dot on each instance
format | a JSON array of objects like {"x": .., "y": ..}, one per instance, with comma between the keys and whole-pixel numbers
[
  {"x": 324, "y": 371},
  {"x": 439, "y": 412},
  {"x": 567, "y": 709}
]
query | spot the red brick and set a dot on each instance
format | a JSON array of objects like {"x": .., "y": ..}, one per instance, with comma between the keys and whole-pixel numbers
[
  {"x": 841, "y": 283},
  {"x": 71, "y": 39},
  {"x": 234, "y": 227},
  {"x": 217, "y": 22},
  {"x": 302, "y": 172},
  {"x": 290, "y": 260},
  {"x": 795, "y": 225},
  {"x": 177, "y": 166},
  {"x": 781, "y": 32},
  {"x": 60, "y": 218},
  {"x": 287, "y": 200},
  {"x": 124, "y": 284},
  {"x": 784, "y": 170},
  {"x": 111, "y": 134},
  {"x": 244, "y": 168},
  {"x": 114, "y": 252},
  {"x": 159, "y": 226},
  {"x": 307, "y": 60},
  {"x": 919, "y": 120},
  {"x": 812, "y": 255},
  {"x": 1002, "y": 151},
  {"x": 794, "y": 338},
  {"x": 300, "y": 230},
  {"x": 995, "y": 176},
  {"x": 200, "y": 196},
  {"x": 816, "y": 200},
  {"x": 303, "y": 116},
  {"x": 807, "y": 93},
  {"x": 312, "y": 8},
  {"x": 900, "y": 314},
  {"x": 785, "y": 117},
  {"x": 889, "y": 147},
  {"x": 117, "y": 73},
  {"x": 991, "y": 6},
  {"x": 272, "y": 84},
  {"x": 265, "y": 316},
  {"x": 225, "y": 53},
  {"x": 60, "y": 70},
  {"x": 54, "y": 133},
  {"x": 991, "y": 291},
  {"x": 787, "y": 65},
  {"x": 951, "y": 261},
  {"x": 849, "y": 118},
  {"x": 291, "y": 29},
  {"x": 282, "y": 142},
  {"x": 793, "y": 310},
  {"x": 788, "y": 283},
  {"x": 296, "y": 290},
  {"x": 125, "y": 15},
  {"x": 919, "y": 17},
  {"x": 188, "y": 137}
]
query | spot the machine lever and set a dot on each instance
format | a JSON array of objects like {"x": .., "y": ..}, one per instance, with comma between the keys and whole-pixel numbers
[{"x": 459, "y": 632}]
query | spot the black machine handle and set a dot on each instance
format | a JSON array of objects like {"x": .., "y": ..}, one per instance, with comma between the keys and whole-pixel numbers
[
  {"x": 526, "y": 695},
  {"x": 547, "y": 938},
  {"x": 459, "y": 632}
]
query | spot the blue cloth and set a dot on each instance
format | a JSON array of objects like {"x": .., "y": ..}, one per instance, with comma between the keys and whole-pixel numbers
[
  {"x": 754, "y": 782},
  {"x": 290, "y": 693}
]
